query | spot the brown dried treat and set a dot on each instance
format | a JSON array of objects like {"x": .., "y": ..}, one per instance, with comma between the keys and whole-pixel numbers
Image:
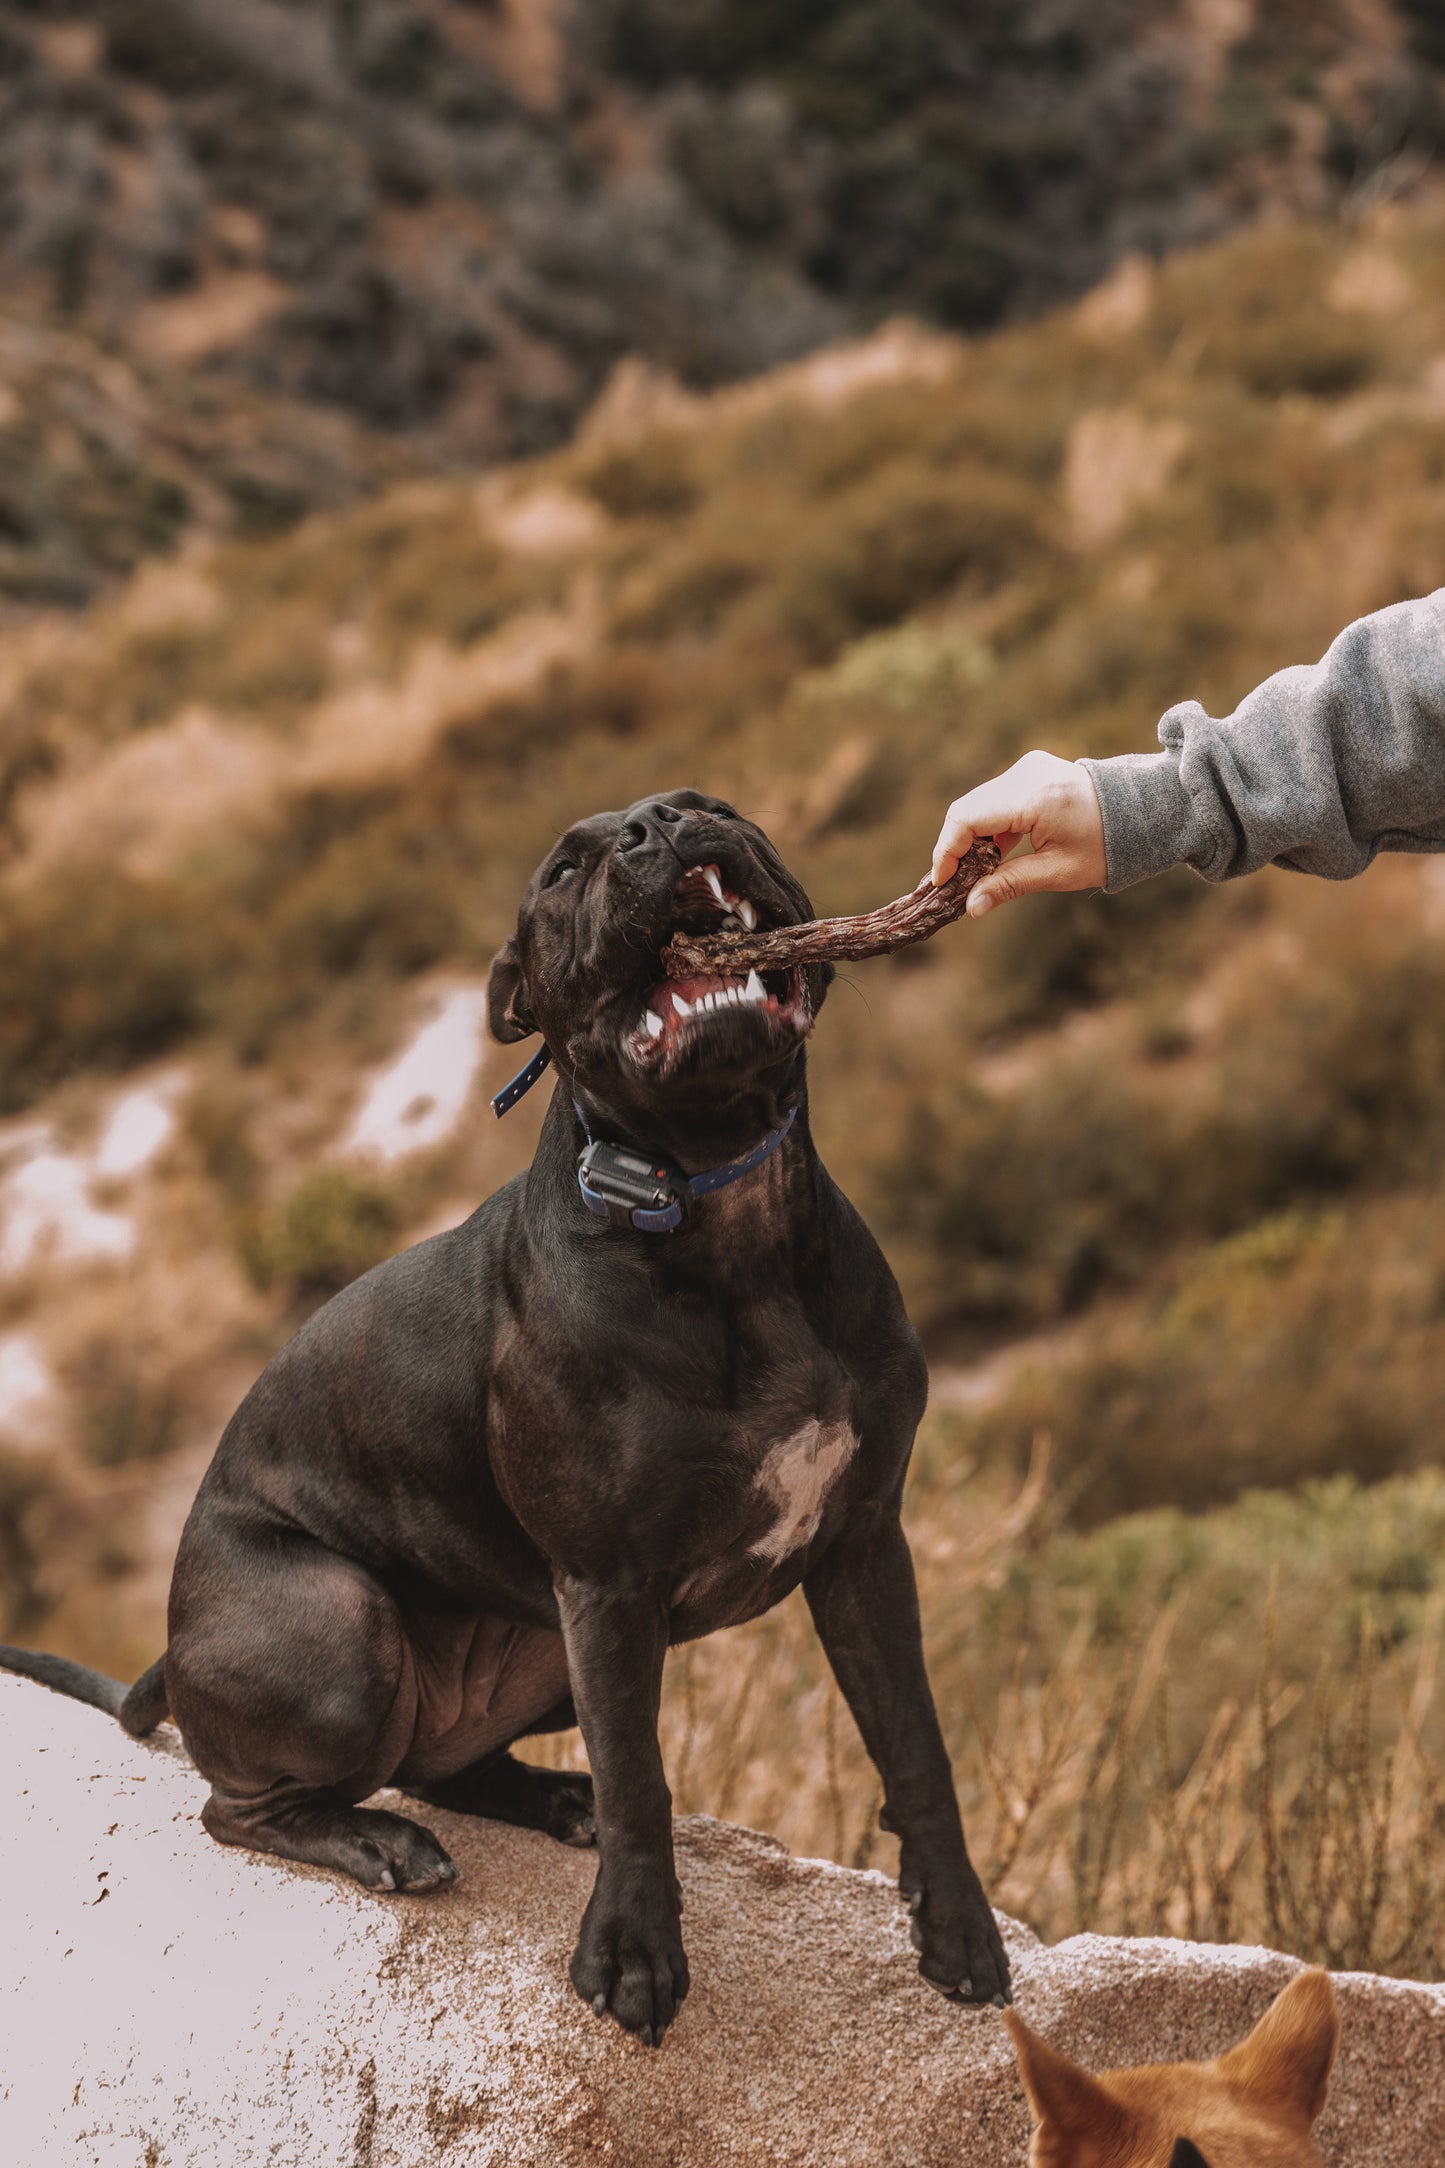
[{"x": 835, "y": 940}]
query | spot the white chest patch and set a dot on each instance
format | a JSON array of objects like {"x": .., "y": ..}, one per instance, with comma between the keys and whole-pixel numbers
[{"x": 798, "y": 1475}]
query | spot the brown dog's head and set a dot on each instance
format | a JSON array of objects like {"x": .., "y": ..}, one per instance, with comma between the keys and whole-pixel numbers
[
  {"x": 1251, "y": 2108},
  {"x": 584, "y": 968}
]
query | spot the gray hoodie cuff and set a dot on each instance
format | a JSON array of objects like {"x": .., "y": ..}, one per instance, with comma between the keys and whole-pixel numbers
[{"x": 1150, "y": 821}]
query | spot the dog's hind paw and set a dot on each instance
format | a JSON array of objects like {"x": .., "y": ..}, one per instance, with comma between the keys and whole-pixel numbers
[{"x": 382, "y": 1851}]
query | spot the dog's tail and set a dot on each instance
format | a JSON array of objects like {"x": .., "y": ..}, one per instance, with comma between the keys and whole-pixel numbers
[{"x": 138, "y": 1708}]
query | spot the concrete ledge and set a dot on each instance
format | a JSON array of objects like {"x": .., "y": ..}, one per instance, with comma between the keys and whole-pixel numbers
[{"x": 165, "y": 2003}]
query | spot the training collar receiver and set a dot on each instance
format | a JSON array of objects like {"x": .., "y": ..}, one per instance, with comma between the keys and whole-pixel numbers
[{"x": 618, "y": 1183}]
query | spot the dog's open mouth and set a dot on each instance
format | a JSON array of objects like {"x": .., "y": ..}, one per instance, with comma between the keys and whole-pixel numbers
[{"x": 707, "y": 1017}]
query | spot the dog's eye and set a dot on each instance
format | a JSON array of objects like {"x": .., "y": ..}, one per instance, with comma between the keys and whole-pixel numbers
[{"x": 562, "y": 871}]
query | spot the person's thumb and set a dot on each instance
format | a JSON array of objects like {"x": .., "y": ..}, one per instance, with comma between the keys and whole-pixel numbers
[{"x": 1025, "y": 875}]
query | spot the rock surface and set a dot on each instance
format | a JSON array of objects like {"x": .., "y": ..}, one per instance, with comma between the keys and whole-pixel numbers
[{"x": 165, "y": 2003}]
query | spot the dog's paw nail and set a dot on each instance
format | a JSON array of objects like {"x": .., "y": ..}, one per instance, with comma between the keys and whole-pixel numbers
[
  {"x": 388, "y": 1879},
  {"x": 915, "y": 1903},
  {"x": 644, "y": 2034},
  {"x": 599, "y": 2005},
  {"x": 1000, "y": 2002},
  {"x": 915, "y": 1936}
]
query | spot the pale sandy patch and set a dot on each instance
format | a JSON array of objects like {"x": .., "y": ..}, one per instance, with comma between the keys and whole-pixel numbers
[
  {"x": 1215, "y": 27},
  {"x": 419, "y": 1098},
  {"x": 27, "y": 1391},
  {"x": 71, "y": 49},
  {"x": 165, "y": 594},
  {"x": 1117, "y": 462},
  {"x": 47, "y": 1216},
  {"x": 1370, "y": 283},
  {"x": 544, "y": 522},
  {"x": 52, "y": 1206},
  {"x": 370, "y": 730},
  {"x": 142, "y": 803},
  {"x": 638, "y": 397},
  {"x": 223, "y": 313},
  {"x": 1121, "y": 302}
]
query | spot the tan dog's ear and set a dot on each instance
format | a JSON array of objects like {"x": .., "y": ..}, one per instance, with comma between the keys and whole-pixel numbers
[
  {"x": 1068, "y": 2104},
  {"x": 1287, "y": 2059},
  {"x": 508, "y": 1012},
  {"x": 1186, "y": 2155}
]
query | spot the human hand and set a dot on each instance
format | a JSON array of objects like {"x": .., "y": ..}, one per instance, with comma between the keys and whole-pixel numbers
[{"x": 1051, "y": 801}]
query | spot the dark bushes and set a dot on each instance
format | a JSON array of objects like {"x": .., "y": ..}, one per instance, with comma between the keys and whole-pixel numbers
[{"x": 99, "y": 974}]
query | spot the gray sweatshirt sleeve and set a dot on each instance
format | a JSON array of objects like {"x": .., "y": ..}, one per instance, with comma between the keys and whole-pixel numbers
[{"x": 1317, "y": 769}]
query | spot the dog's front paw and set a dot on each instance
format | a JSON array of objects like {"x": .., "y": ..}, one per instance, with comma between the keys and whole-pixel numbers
[
  {"x": 629, "y": 1957},
  {"x": 960, "y": 1950}
]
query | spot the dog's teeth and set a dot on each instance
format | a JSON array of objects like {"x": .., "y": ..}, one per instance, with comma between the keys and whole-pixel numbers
[
  {"x": 747, "y": 912},
  {"x": 755, "y": 989},
  {"x": 683, "y": 1008},
  {"x": 653, "y": 1023},
  {"x": 714, "y": 881}
]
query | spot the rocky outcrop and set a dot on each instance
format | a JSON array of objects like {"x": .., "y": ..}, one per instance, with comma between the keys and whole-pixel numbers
[{"x": 168, "y": 2004}]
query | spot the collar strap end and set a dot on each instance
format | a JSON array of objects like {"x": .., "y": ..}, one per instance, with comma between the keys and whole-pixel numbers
[{"x": 522, "y": 1082}]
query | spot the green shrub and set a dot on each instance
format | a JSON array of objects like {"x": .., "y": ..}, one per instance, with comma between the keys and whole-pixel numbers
[
  {"x": 1309, "y": 1345},
  {"x": 98, "y": 974},
  {"x": 334, "y": 1226},
  {"x": 649, "y": 476},
  {"x": 892, "y": 545},
  {"x": 1315, "y": 355}
]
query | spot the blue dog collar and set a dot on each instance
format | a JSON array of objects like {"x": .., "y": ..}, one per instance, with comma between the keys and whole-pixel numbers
[
  {"x": 619, "y": 1183},
  {"x": 522, "y": 1082}
]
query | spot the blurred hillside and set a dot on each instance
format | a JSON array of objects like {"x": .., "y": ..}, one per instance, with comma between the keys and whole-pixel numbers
[
  {"x": 107, "y": 458},
  {"x": 1160, "y": 1173},
  {"x": 451, "y": 218}
]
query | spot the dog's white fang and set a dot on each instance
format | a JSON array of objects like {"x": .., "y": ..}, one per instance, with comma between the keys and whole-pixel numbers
[
  {"x": 652, "y": 1023},
  {"x": 714, "y": 881},
  {"x": 755, "y": 989},
  {"x": 683, "y": 1008},
  {"x": 747, "y": 912}
]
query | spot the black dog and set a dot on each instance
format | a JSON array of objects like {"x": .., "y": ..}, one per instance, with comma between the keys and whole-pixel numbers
[{"x": 482, "y": 1491}]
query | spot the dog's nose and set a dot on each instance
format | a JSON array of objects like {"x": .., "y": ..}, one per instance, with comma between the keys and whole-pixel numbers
[{"x": 635, "y": 833}]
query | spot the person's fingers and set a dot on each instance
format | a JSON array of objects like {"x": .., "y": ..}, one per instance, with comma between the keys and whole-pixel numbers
[
  {"x": 984, "y": 812},
  {"x": 1027, "y": 876},
  {"x": 945, "y": 863}
]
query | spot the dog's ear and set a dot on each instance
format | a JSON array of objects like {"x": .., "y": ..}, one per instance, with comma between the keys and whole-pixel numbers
[
  {"x": 1068, "y": 2104},
  {"x": 1186, "y": 2155},
  {"x": 1287, "y": 2059},
  {"x": 508, "y": 1011}
]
